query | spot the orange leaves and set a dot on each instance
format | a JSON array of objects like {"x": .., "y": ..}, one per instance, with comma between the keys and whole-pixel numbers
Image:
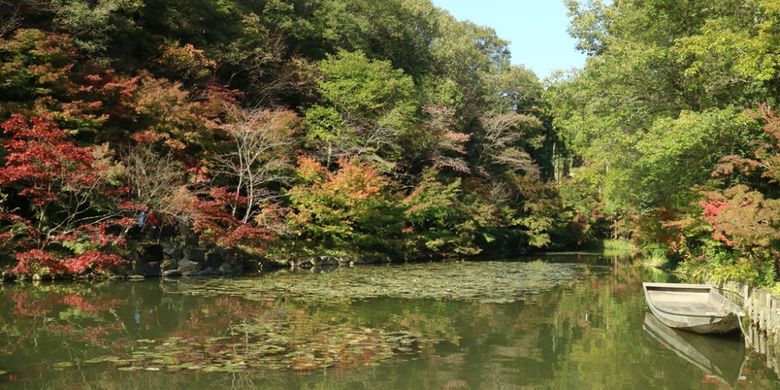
[
  {"x": 712, "y": 209},
  {"x": 274, "y": 124},
  {"x": 360, "y": 180},
  {"x": 343, "y": 209},
  {"x": 309, "y": 170},
  {"x": 178, "y": 118},
  {"x": 186, "y": 61},
  {"x": 164, "y": 100},
  {"x": 354, "y": 179}
]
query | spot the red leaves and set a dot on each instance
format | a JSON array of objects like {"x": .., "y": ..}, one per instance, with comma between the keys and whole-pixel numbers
[
  {"x": 39, "y": 261},
  {"x": 99, "y": 234},
  {"x": 92, "y": 260},
  {"x": 742, "y": 216},
  {"x": 48, "y": 169},
  {"x": 247, "y": 234},
  {"x": 42, "y": 161}
]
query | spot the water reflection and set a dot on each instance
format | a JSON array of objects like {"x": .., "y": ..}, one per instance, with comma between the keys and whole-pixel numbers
[
  {"x": 582, "y": 331},
  {"x": 721, "y": 357}
]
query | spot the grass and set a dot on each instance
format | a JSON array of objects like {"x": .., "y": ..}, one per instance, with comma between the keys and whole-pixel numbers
[
  {"x": 654, "y": 256},
  {"x": 618, "y": 247}
]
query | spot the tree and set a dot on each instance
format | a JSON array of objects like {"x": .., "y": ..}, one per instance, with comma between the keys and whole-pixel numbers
[
  {"x": 371, "y": 107},
  {"x": 440, "y": 221},
  {"x": 261, "y": 142},
  {"x": 156, "y": 184},
  {"x": 663, "y": 78},
  {"x": 69, "y": 193},
  {"x": 345, "y": 212}
]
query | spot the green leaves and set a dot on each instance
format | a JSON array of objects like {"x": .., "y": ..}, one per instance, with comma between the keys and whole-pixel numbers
[
  {"x": 367, "y": 89},
  {"x": 660, "y": 100},
  {"x": 348, "y": 211},
  {"x": 695, "y": 141}
]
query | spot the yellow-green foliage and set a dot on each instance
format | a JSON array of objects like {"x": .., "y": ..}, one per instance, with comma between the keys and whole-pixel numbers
[{"x": 619, "y": 245}]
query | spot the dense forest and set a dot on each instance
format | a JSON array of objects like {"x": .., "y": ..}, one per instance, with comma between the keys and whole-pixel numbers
[
  {"x": 674, "y": 129},
  {"x": 277, "y": 128},
  {"x": 289, "y": 128}
]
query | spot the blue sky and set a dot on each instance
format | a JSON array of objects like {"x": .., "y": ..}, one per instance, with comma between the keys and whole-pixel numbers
[{"x": 535, "y": 28}]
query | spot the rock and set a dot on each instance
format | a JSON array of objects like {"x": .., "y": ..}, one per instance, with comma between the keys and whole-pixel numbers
[
  {"x": 152, "y": 269},
  {"x": 172, "y": 252},
  {"x": 169, "y": 264},
  {"x": 328, "y": 261},
  {"x": 194, "y": 254},
  {"x": 265, "y": 264},
  {"x": 186, "y": 233},
  {"x": 214, "y": 259},
  {"x": 226, "y": 269},
  {"x": 307, "y": 263},
  {"x": 188, "y": 268},
  {"x": 171, "y": 273},
  {"x": 208, "y": 271},
  {"x": 371, "y": 259},
  {"x": 143, "y": 257},
  {"x": 135, "y": 278},
  {"x": 152, "y": 252},
  {"x": 318, "y": 261}
]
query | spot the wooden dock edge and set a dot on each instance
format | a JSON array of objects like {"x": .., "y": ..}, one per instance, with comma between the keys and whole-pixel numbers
[{"x": 762, "y": 319}]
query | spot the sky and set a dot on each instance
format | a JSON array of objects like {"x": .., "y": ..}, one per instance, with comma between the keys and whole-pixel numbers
[{"x": 535, "y": 28}]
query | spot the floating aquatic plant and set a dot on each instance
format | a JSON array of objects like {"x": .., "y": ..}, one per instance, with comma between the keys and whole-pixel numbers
[
  {"x": 269, "y": 346},
  {"x": 489, "y": 282}
]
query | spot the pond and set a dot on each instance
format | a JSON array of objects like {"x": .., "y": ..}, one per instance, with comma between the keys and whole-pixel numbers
[{"x": 562, "y": 321}]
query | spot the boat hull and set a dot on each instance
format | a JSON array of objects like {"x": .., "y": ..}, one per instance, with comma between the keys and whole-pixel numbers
[{"x": 692, "y": 307}]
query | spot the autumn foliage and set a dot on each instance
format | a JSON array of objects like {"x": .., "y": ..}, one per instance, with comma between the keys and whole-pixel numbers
[
  {"x": 42, "y": 163},
  {"x": 258, "y": 127},
  {"x": 740, "y": 221}
]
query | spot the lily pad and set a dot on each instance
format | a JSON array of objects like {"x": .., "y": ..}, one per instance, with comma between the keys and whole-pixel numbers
[
  {"x": 271, "y": 345},
  {"x": 62, "y": 365},
  {"x": 509, "y": 282},
  {"x": 131, "y": 368}
]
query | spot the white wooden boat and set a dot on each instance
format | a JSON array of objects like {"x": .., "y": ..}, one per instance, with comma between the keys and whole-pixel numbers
[
  {"x": 722, "y": 357},
  {"x": 697, "y": 308}
]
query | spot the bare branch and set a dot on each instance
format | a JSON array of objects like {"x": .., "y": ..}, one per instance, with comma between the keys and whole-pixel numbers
[{"x": 262, "y": 140}]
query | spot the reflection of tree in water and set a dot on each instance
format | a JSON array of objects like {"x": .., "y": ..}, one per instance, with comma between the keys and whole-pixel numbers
[
  {"x": 572, "y": 336},
  {"x": 59, "y": 321}
]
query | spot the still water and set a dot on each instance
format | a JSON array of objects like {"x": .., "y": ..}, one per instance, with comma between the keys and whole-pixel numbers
[{"x": 564, "y": 321}]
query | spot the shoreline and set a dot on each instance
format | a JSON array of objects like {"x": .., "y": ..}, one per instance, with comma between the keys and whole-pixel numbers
[{"x": 220, "y": 263}]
